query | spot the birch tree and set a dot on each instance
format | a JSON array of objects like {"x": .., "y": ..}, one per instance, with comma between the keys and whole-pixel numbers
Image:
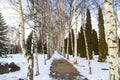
[
  {"x": 83, "y": 25},
  {"x": 75, "y": 34},
  {"x": 35, "y": 40},
  {"x": 112, "y": 39},
  {"x": 28, "y": 56},
  {"x": 69, "y": 21}
]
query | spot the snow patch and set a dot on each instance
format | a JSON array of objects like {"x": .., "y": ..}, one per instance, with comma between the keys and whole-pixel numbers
[
  {"x": 56, "y": 55},
  {"x": 82, "y": 67},
  {"x": 3, "y": 63}
]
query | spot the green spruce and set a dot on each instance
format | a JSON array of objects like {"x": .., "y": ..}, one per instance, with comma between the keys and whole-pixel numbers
[
  {"x": 65, "y": 45},
  {"x": 3, "y": 37},
  {"x": 39, "y": 45},
  {"x": 102, "y": 47},
  {"x": 81, "y": 44},
  {"x": 72, "y": 33},
  {"x": 70, "y": 47},
  {"x": 29, "y": 42},
  {"x": 95, "y": 42},
  {"x": 88, "y": 32}
]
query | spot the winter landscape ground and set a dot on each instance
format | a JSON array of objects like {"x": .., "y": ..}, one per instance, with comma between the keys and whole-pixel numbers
[{"x": 97, "y": 68}]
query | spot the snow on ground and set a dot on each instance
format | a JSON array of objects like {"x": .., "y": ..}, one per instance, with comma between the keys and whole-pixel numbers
[
  {"x": 96, "y": 67},
  {"x": 82, "y": 67}
]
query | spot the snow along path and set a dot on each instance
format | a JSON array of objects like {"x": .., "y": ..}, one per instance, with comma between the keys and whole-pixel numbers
[
  {"x": 22, "y": 62},
  {"x": 82, "y": 67}
]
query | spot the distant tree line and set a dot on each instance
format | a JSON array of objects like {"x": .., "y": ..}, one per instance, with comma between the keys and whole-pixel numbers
[{"x": 96, "y": 44}]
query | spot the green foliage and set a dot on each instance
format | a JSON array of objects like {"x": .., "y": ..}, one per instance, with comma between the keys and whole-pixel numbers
[
  {"x": 95, "y": 42},
  {"x": 28, "y": 43},
  {"x": 70, "y": 43},
  {"x": 65, "y": 45},
  {"x": 70, "y": 47},
  {"x": 72, "y": 32},
  {"x": 39, "y": 45},
  {"x": 15, "y": 49},
  {"x": 102, "y": 43},
  {"x": 3, "y": 49},
  {"x": 3, "y": 37},
  {"x": 81, "y": 44},
  {"x": 88, "y": 32}
]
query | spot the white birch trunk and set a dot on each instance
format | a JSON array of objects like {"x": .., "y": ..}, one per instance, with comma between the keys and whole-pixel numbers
[
  {"x": 22, "y": 42},
  {"x": 75, "y": 34},
  {"x": 35, "y": 40},
  {"x": 112, "y": 39},
  {"x": 43, "y": 45},
  {"x": 48, "y": 50},
  {"x": 36, "y": 56},
  {"x": 83, "y": 25}
]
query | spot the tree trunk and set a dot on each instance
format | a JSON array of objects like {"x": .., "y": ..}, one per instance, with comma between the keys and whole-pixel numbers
[
  {"x": 44, "y": 54},
  {"x": 22, "y": 42},
  {"x": 84, "y": 34},
  {"x": 35, "y": 40},
  {"x": 71, "y": 42},
  {"x": 75, "y": 34},
  {"x": 48, "y": 49},
  {"x": 67, "y": 56},
  {"x": 112, "y": 40}
]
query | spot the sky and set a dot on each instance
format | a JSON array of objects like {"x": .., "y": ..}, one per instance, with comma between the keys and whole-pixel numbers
[
  {"x": 11, "y": 15},
  {"x": 12, "y": 18}
]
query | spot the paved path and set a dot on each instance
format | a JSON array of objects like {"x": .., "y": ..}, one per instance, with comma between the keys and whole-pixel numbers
[{"x": 63, "y": 70}]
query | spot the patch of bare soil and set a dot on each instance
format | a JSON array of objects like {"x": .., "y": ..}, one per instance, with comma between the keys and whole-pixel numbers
[{"x": 63, "y": 70}]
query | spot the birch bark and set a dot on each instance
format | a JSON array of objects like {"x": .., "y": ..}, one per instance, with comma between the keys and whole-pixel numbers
[
  {"x": 35, "y": 40},
  {"x": 112, "y": 40},
  {"x": 83, "y": 25},
  {"x": 29, "y": 56},
  {"x": 75, "y": 34}
]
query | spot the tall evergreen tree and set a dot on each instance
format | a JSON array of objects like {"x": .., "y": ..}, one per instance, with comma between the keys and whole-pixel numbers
[
  {"x": 70, "y": 46},
  {"x": 28, "y": 43},
  {"x": 95, "y": 42},
  {"x": 81, "y": 44},
  {"x": 3, "y": 37},
  {"x": 39, "y": 45},
  {"x": 88, "y": 32},
  {"x": 78, "y": 43},
  {"x": 65, "y": 45},
  {"x": 102, "y": 47},
  {"x": 72, "y": 41}
]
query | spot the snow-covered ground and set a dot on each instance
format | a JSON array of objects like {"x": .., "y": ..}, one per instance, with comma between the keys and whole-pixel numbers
[{"x": 82, "y": 67}]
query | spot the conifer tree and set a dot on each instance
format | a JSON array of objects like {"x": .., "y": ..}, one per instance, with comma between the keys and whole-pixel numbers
[
  {"x": 3, "y": 38},
  {"x": 65, "y": 45},
  {"x": 39, "y": 45},
  {"x": 27, "y": 55},
  {"x": 102, "y": 43},
  {"x": 82, "y": 44},
  {"x": 78, "y": 43},
  {"x": 28, "y": 43},
  {"x": 70, "y": 46},
  {"x": 95, "y": 42},
  {"x": 89, "y": 33},
  {"x": 72, "y": 41}
]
